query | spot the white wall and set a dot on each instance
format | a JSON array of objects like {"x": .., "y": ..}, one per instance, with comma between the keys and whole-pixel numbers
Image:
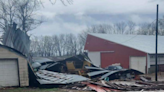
[
  {"x": 148, "y": 62},
  {"x": 160, "y": 59},
  {"x": 95, "y": 57},
  {"x": 138, "y": 63}
]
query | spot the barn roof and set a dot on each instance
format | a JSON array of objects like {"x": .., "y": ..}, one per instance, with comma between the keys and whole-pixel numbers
[{"x": 144, "y": 43}]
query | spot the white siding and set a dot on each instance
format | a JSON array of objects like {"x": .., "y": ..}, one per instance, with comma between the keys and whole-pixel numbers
[
  {"x": 138, "y": 63},
  {"x": 148, "y": 62},
  {"x": 95, "y": 58},
  {"x": 8, "y": 73},
  {"x": 160, "y": 59}
]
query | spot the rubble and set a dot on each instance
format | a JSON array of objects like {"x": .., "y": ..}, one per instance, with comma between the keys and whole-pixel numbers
[
  {"x": 112, "y": 74},
  {"x": 49, "y": 77},
  {"x": 77, "y": 86},
  {"x": 72, "y": 65},
  {"x": 109, "y": 86},
  {"x": 79, "y": 73}
]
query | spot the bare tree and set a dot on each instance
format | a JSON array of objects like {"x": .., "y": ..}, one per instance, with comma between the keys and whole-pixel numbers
[
  {"x": 131, "y": 27},
  {"x": 64, "y": 2},
  {"x": 72, "y": 44},
  {"x": 161, "y": 26},
  {"x": 82, "y": 39},
  {"x": 102, "y": 28},
  {"x": 25, "y": 15},
  {"x": 120, "y": 27},
  {"x": 7, "y": 13},
  {"x": 19, "y": 11},
  {"x": 146, "y": 29}
]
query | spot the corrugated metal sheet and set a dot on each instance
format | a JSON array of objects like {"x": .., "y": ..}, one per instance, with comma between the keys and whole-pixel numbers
[
  {"x": 41, "y": 60},
  {"x": 48, "y": 77},
  {"x": 43, "y": 67},
  {"x": 17, "y": 39},
  {"x": 108, "y": 73},
  {"x": 97, "y": 72},
  {"x": 145, "y": 43},
  {"x": 93, "y": 68}
]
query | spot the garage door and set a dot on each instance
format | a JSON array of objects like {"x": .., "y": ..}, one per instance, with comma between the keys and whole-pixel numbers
[
  {"x": 138, "y": 63},
  {"x": 95, "y": 58},
  {"x": 8, "y": 73}
]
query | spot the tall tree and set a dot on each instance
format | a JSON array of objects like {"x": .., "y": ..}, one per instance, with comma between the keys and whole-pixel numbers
[{"x": 25, "y": 14}]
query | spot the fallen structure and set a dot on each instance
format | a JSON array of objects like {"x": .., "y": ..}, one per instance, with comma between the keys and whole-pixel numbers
[
  {"x": 66, "y": 71},
  {"x": 73, "y": 71},
  {"x": 63, "y": 71},
  {"x": 48, "y": 77},
  {"x": 72, "y": 65},
  {"x": 111, "y": 75}
]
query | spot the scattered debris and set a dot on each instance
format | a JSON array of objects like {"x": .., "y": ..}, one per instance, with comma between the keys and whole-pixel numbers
[
  {"x": 49, "y": 77},
  {"x": 112, "y": 74},
  {"x": 77, "y": 86},
  {"x": 73, "y": 69},
  {"x": 40, "y": 63},
  {"x": 72, "y": 65},
  {"x": 108, "y": 86}
]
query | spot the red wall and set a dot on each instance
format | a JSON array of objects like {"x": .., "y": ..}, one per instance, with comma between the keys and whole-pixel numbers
[{"x": 121, "y": 53}]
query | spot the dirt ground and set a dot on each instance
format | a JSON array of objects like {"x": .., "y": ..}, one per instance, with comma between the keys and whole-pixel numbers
[
  {"x": 160, "y": 76},
  {"x": 39, "y": 90}
]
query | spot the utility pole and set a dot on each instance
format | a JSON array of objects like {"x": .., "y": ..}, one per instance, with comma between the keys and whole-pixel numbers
[{"x": 156, "y": 65}]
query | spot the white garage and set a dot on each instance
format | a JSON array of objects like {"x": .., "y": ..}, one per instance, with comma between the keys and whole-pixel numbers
[{"x": 13, "y": 68}]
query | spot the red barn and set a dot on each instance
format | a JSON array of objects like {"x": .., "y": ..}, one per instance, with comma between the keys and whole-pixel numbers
[{"x": 131, "y": 51}]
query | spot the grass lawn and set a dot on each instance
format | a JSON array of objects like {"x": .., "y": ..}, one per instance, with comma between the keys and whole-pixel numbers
[{"x": 38, "y": 90}]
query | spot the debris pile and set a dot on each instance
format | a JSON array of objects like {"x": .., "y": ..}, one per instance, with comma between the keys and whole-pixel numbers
[
  {"x": 107, "y": 75},
  {"x": 112, "y": 86},
  {"x": 48, "y": 77},
  {"x": 79, "y": 73},
  {"x": 77, "y": 86}
]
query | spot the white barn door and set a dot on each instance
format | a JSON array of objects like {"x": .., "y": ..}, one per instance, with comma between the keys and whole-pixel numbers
[
  {"x": 95, "y": 58},
  {"x": 138, "y": 63}
]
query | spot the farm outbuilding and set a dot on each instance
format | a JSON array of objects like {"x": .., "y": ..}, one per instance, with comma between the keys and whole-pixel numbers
[
  {"x": 131, "y": 51},
  {"x": 13, "y": 68}
]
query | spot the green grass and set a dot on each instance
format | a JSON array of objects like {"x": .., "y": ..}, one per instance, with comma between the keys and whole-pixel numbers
[
  {"x": 30, "y": 90},
  {"x": 39, "y": 90}
]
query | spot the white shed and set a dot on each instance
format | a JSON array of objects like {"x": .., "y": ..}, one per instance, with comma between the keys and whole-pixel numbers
[{"x": 13, "y": 68}]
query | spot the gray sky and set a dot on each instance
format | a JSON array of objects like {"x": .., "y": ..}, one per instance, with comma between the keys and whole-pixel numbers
[{"x": 82, "y": 13}]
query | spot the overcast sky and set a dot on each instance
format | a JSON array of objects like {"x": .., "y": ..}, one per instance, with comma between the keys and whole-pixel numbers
[{"x": 82, "y": 13}]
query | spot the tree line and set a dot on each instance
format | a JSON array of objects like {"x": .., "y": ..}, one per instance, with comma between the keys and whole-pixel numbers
[
  {"x": 72, "y": 44},
  {"x": 22, "y": 12},
  {"x": 56, "y": 45}
]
